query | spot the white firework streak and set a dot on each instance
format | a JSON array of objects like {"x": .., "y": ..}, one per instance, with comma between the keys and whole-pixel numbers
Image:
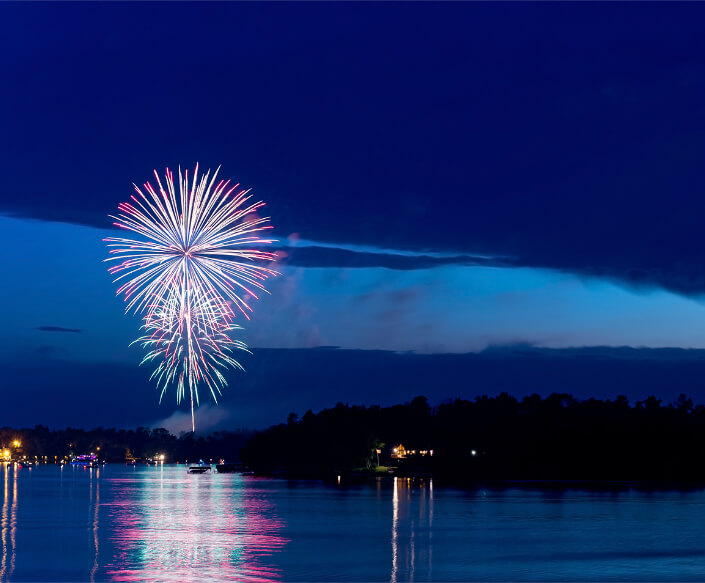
[{"x": 189, "y": 274}]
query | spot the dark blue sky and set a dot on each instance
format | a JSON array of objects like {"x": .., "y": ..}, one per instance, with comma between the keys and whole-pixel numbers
[{"x": 446, "y": 178}]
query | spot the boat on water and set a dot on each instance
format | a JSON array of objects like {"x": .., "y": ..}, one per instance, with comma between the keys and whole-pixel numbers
[
  {"x": 200, "y": 468},
  {"x": 228, "y": 468},
  {"x": 86, "y": 460}
]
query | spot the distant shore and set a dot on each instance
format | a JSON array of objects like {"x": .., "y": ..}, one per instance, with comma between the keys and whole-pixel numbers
[
  {"x": 498, "y": 440},
  {"x": 557, "y": 439}
]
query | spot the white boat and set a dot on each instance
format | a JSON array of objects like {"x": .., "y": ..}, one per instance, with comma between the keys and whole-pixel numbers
[{"x": 200, "y": 468}]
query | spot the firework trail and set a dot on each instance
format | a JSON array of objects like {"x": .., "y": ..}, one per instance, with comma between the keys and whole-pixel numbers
[{"x": 191, "y": 270}]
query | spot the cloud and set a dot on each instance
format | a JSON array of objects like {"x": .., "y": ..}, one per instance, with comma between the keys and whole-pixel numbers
[
  {"x": 59, "y": 329},
  {"x": 582, "y": 152},
  {"x": 208, "y": 417},
  {"x": 330, "y": 256},
  {"x": 282, "y": 381}
]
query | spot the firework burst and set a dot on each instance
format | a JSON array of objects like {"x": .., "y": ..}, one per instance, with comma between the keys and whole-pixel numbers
[{"x": 192, "y": 270}]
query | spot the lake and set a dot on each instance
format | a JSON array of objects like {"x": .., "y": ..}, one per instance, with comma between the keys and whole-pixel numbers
[{"x": 122, "y": 523}]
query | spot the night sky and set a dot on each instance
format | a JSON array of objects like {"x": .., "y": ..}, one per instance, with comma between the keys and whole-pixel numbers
[{"x": 469, "y": 198}]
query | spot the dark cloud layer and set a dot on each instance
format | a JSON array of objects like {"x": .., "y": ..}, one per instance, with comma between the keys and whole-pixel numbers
[
  {"x": 278, "y": 382},
  {"x": 314, "y": 256},
  {"x": 59, "y": 329},
  {"x": 566, "y": 135}
]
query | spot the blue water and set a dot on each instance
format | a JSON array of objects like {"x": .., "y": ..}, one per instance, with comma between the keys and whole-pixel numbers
[{"x": 161, "y": 524}]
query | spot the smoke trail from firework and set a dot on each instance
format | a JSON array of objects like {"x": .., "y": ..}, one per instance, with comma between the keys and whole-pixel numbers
[{"x": 192, "y": 268}]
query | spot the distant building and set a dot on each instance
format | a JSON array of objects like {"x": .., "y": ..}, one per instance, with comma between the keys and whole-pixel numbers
[{"x": 398, "y": 452}]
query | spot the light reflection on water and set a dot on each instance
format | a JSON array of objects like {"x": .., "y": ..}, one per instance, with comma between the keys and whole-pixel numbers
[
  {"x": 395, "y": 534},
  {"x": 182, "y": 526},
  {"x": 120, "y": 523},
  {"x": 8, "y": 525},
  {"x": 95, "y": 501},
  {"x": 412, "y": 507}
]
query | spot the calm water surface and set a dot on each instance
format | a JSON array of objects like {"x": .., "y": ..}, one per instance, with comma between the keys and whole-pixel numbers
[{"x": 161, "y": 524}]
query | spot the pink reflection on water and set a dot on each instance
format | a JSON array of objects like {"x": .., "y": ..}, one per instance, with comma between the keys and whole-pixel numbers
[{"x": 175, "y": 526}]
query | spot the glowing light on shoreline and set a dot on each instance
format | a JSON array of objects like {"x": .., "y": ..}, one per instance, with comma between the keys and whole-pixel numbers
[{"x": 188, "y": 275}]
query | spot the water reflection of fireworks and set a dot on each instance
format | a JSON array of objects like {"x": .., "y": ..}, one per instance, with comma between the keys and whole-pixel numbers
[{"x": 191, "y": 528}]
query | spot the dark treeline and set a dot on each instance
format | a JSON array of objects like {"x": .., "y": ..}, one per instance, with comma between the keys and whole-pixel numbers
[
  {"x": 501, "y": 438},
  {"x": 118, "y": 445}
]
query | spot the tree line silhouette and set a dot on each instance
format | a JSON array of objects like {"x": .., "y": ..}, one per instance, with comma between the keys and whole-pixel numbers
[
  {"x": 121, "y": 445},
  {"x": 489, "y": 438},
  {"x": 495, "y": 438}
]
